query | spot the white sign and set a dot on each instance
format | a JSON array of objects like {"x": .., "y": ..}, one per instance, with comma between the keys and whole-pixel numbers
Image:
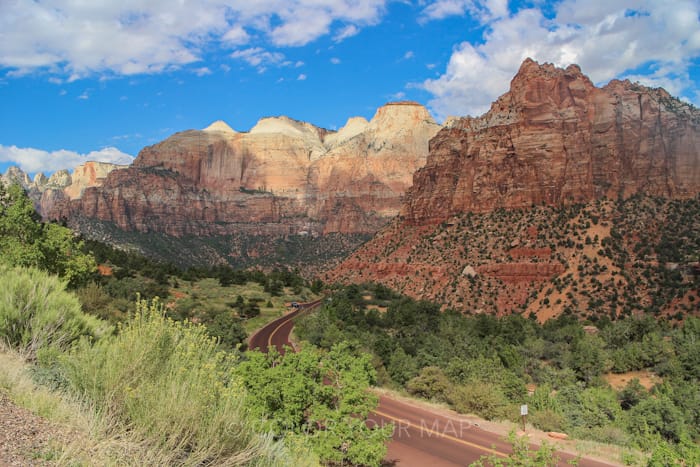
[{"x": 523, "y": 409}]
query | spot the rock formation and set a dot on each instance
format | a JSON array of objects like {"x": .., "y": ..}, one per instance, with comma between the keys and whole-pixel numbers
[
  {"x": 282, "y": 177},
  {"x": 493, "y": 222},
  {"x": 61, "y": 185},
  {"x": 555, "y": 138}
]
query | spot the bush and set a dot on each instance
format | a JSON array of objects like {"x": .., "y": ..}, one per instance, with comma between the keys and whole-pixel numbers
[
  {"x": 167, "y": 383},
  {"x": 431, "y": 383},
  {"x": 479, "y": 398},
  {"x": 36, "y": 311},
  {"x": 320, "y": 397},
  {"x": 547, "y": 420}
]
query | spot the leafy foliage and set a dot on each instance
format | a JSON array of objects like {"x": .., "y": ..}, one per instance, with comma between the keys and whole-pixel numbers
[
  {"x": 522, "y": 455},
  {"x": 36, "y": 312},
  {"x": 25, "y": 241},
  {"x": 320, "y": 395},
  {"x": 481, "y": 364},
  {"x": 168, "y": 382}
]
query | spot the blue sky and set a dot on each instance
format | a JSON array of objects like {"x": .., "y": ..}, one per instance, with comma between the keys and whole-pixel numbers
[{"x": 100, "y": 80}]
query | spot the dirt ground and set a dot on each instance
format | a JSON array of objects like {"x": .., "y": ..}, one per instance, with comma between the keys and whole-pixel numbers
[
  {"x": 27, "y": 439},
  {"x": 619, "y": 381}
]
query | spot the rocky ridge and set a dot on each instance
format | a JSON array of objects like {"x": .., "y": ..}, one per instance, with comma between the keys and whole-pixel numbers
[
  {"x": 555, "y": 138},
  {"x": 507, "y": 208},
  {"x": 282, "y": 177},
  {"x": 61, "y": 185}
]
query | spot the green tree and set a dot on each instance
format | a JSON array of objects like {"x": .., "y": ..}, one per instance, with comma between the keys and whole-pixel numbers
[
  {"x": 632, "y": 394},
  {"x": 431, "y": 383},
  {"x": 402, "y": 366},
  {"x": 20, "y": 230},
  {"x": 657, "y": 416},
  {"x": 589, "y": 358},
  {"x": 63, "y": 255},
  {"x": 321, "y": 396},
  {"x": 24, "y": 241},
  {"x": 228, "y": 330}
]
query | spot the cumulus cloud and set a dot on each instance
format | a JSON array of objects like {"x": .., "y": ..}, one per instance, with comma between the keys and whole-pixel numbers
[
  {"x": 642, "y": 40},
  {"x": 33, "y": 160},
  {"x": 301, "y": 77},
  {"x": 127, "y": 37},
  {"x": 335, "y": 60}
]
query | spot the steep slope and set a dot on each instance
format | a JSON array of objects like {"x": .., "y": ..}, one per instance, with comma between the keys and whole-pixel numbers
[
  {"x": 515, "y": 204},
  {"x": 283, "y": 177},
  {"x": 555, "y": 138}
]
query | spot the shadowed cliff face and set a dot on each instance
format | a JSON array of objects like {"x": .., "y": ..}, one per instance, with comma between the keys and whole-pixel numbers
[
  {"x": 555, "y": 138},
  {"x": 283, "y": 177}
]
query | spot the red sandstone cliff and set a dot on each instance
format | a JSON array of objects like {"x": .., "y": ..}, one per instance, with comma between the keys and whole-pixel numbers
[
  {"x": 553, "y": 143},
  {"x": 555, "y": 138}
]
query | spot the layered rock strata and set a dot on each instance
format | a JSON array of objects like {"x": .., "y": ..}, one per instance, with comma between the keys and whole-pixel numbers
[
  {"x": 282, "y": 177},
  {"x": 552, "y": 143},
  {"x": 556, "y": 138}
]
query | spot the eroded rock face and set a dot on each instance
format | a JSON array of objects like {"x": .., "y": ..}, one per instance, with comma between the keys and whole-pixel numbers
[
  {"x": 555, "y": 138},
  {"x": 283, "y": 177},
  {"x": 61, "y": 185},
  {"x": 551, "y": 144}
]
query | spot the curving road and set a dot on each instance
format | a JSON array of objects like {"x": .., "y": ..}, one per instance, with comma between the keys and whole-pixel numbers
[
  {"x": 277, "y": 332},
  {"x": 421, "y": 436}
]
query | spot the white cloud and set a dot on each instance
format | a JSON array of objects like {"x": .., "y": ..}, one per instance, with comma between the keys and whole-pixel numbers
[
  {"x": 236, "y": 36},
  {"x": 259, "y": 57},
  {"x": 126, "y": 37},
  {"x": 641, "y": 40},
  {"x": 335, "y": 61},
  {"x": 33, "y": 160},
  {"x": 301, "y": 77},
  {"x": 348, "y": 31},
  {"x": 203, "y": 71},
  {"x": 483, "y": 10},
  {"x": 408, "y": 55}
]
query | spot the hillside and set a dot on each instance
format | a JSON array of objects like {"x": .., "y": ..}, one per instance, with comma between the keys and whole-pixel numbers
[
  {"x": 611, "y": 258},
  {"x": 563, "y": 198}
]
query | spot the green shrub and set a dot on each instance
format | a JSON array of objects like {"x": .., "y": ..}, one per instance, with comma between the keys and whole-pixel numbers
[
  {"x": 483, "y": 399},
  {"x": 522, "y": 455},
  {"x": 320, "y": 397},
  {"x": 547, "y": 420},
  {"x": 431, "y": 383},
  {"x": 36, "y": 311},
  {"x": 167, "y": 382}
]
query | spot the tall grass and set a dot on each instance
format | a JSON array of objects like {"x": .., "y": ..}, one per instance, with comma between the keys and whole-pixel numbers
[
  {"x": 166, "y": 384},
  {"x": 37, "y": 312}
]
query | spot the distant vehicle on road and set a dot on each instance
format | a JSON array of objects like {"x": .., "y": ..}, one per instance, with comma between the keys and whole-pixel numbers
[{"x": 295, "y": 305}]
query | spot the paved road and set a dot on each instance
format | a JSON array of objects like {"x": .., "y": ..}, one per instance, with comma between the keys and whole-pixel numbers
[
  {"x": 277, "y": 332},
  {"x": 421, "y": 437}
]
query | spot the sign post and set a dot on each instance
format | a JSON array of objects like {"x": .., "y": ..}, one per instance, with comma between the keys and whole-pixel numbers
[{"x": 523, "y": 414}]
